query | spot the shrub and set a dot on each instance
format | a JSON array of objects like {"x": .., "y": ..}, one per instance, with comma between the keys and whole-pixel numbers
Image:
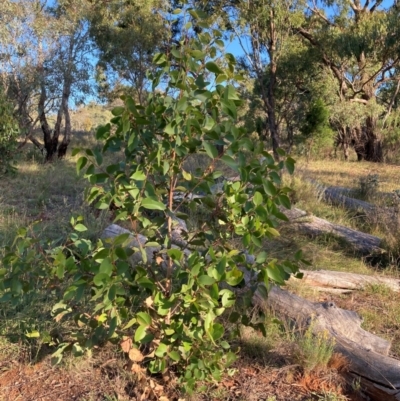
[
  {"x": 314, "y": 351},
  {"x": 164, "y": 308},
  {"x": 9, "y": 132}
]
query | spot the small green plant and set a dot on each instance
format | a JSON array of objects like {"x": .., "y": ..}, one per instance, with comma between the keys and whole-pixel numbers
[
  {"x": 368, "y": 186},
  {"x": 316, "y": 131},
  {"x": 314, "y": 351},
  {"x": 161, "y": 299},
  {"x": 9, "y": 131}
]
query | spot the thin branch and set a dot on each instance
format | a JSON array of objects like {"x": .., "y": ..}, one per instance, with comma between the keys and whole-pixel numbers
[
  {"x": 322, "y": 16},
  {"x": 392, "y": 100}
]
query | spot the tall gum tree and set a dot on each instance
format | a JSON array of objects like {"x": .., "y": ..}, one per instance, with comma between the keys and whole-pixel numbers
[
  {"x": 263, "y": 28},
  {"x": 45, "y": 52},
  {"x": 356, "y": 41},
  {"x": 127, "y": 34}
]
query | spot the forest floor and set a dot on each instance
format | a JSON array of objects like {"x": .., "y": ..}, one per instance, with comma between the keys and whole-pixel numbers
[{"x": 267, "y": 368}]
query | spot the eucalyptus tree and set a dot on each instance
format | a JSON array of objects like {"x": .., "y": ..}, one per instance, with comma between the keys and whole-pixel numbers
[
  {"x": 357, "y": 42},
  {"x": 44, "y": 47},
  {"x": 127, "y": 34},
  {"x": 263, "y": 29}
]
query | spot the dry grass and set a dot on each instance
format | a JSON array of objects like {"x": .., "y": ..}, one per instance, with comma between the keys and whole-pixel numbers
[{"x": 348, "y": 174}]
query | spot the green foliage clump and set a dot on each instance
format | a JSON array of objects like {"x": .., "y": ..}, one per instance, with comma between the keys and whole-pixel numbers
[
  {"x": 9, "y": 131},
  {"x": 316, "y": 130},
  {"x": 314, "y": 351},
  {"x": 158, "y": 294}
]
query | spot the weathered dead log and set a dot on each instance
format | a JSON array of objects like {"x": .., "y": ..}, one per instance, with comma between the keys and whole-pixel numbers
[
  {"x": 342, "y": 196},
  {"x": 363, "y": 243},
  {"x": 344, "y": 281},
  {"x": 311, "y": 225},
  {"x": 336, "y": 196},
  {"x": 367, "y": 353},
  {"x": 137, "y": 241}
]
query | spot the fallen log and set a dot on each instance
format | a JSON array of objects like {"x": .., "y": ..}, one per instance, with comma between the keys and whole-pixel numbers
[
  {"x": 336, "y": 280},
  {"x": 341, "y": 196},
  {"x": 363, "y": 243},
  {"x": 366, "y": 352},
  {"x": 336, "y": 196}
]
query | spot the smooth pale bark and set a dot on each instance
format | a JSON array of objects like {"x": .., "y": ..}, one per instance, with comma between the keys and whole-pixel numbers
[
  {"x": 345, "y": 281},
  {"x": 363, "y": 243}
]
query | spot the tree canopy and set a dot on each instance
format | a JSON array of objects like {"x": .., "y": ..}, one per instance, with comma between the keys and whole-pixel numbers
[{"x": 344, "y": 55}]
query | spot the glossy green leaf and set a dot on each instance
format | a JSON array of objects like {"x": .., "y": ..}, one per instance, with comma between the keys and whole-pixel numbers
[
  {"x": 143, "y": 318},
  {"x": 210, "y": 149},
  {"x": 213, "y": 67},
  {"x": 152, "y": 204}
]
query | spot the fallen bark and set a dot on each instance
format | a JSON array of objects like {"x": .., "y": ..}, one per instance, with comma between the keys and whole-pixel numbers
[
  {"x": 344, "y": 281},
  {"x": 366, "y": 352},
  {"x": 311, "y": 225}
]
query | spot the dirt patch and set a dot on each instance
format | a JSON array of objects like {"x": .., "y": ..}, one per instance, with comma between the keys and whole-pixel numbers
[
  {"x": 253, "y": 381},
  {"x": 42, "y": 382}
]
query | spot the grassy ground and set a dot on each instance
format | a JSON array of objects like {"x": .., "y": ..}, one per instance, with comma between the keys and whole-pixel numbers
[
  {"x": 274, "y": 369},
  {"x": 348, "y": 174}
]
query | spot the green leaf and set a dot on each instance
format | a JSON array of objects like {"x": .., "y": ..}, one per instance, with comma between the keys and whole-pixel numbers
[
  {"x": 117, "y": 111},
  {"x": 175, "y": 356},
  {"x": 33, "y": 334},
  {"x": 284, "y": 201},
  {"x": 217, "y": 331},
  {"x": 213, "y": 67},
  {"x": 60, "y": 271},
  {"x": 198, "y": 54},
  {"x": 229, "y": 161},
  {"x": 234, "y": 277},
  {"x": 205, "y": 280},
  {"x": 161, "y": 350},
  {"x": 175, "y": 254},
  {"x": 275, "y": 274},
  {"x": 257, "y": 198},
  {"x": 289, "y": 164},
  {"x": 269, "y": 188},
  {"x": 152, "y": 204},
  {"x": 140, "y": 333},
  {"x": 80, "y": 164},
  {"x": 273, "y": 231},
  {"x": 210, "y": 149},
  {"x": 187, "y": 176},
  {"x": 106, "y": 267},
  {"x": 120, "y": 239},
  {"x": 80, "y": 228},
  {"x": 100, "y": 279},
  {"x": 261, "y": 257},
  {"x": 138, "y": 176},
  {"x": 143, "y": 319}
]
